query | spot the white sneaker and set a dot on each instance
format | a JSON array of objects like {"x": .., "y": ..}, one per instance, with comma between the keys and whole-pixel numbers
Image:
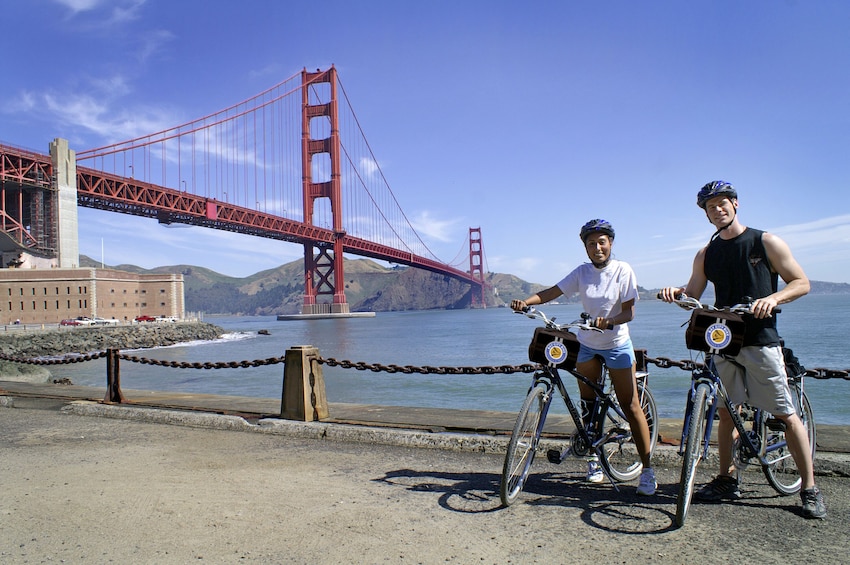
[
  {"x": 647, "y": 483},
  {"x": 594, "y": 472}
]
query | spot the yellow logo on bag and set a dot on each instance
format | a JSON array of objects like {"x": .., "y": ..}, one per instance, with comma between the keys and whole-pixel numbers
[
  {"x": 718, "y": 336},
  {"x": 555, "y": 352}
]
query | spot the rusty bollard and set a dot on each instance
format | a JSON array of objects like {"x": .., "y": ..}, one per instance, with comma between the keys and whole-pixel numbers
[
  {"x": 303, "y": 385},
  {"x": 113, "y": 378}
]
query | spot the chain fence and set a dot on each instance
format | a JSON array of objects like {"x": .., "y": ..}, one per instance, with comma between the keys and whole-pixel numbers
[{"x": 660, "y": 362}]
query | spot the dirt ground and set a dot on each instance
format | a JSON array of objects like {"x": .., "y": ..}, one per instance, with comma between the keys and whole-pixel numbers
[{"x": 91, "y": 490}]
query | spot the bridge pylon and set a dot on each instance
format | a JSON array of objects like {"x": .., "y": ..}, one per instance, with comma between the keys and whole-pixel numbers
[
  {"x": 323, "y": 266},
  {"x": 476, "y": 267}
]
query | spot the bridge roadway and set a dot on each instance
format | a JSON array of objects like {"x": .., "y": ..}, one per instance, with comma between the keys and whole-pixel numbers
[{"x": 121, "y": 488}]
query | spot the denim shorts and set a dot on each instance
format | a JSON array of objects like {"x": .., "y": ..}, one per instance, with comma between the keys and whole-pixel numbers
[{"x": 620, "y": 357}]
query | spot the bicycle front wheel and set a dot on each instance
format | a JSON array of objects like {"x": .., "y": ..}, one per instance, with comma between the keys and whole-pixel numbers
[
  {"x": 781, "y": 470},
  {"x": 624, "y": 462},
  {"x": 694, "y": 450},
  {"x": 523, "y": 444}
]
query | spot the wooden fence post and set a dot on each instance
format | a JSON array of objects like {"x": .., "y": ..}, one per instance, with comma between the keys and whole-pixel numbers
[
  {"x": 113, "y": 378},
  {"x": 303, "y": 385}
]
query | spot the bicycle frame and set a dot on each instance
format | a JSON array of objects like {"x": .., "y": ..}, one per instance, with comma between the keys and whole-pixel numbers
[
  {"x": 607, "y": 433},
  {"x": 592, "y": 438},
  {"x": 709, "y": 377}
]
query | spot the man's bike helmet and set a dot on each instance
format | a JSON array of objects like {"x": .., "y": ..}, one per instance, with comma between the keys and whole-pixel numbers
[
  {"x": 715, "y": 188},
  {"x": 594, "y": 226}
]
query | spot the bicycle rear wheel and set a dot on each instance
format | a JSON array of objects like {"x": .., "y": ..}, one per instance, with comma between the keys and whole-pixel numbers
[
  {"x": 523, "y": 444},
  {"x": 694, "y": 450},
  {"x": 622, "y": 456},
  {"x": 781, "y": 470}
]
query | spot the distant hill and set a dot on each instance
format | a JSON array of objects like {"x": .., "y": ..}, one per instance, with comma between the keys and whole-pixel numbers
[{"x": 368, "y": 287}]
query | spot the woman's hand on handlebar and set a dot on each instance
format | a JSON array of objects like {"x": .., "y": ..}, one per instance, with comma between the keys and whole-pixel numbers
[
  {"x": 519, "y": 306},
  {"x": 600, "y": 323}
]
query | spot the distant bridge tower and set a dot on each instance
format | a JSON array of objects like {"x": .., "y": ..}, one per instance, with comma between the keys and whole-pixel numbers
[
  {"x": 323, "y": 270},
  {"x": 476, "y": 267}
]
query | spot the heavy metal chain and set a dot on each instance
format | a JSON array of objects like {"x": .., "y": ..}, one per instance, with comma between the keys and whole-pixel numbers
[
  {"x": 205, "y": 365},
  {"x": 661, "y": 362},
  {"x": 429, "y": 370}
]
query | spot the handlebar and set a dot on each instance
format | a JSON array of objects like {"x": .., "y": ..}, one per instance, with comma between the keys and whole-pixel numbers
[
  {"x": 690, "y": 303},
  {"x": 583, "y": 323}
]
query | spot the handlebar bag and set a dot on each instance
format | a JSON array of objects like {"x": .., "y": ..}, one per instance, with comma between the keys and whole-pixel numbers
[
  {"x": 715, "y": 331},
  {"x": 555, "y": 348}
]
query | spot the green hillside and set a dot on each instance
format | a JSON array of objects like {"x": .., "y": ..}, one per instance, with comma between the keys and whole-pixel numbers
[{"x": 369, "y": 286}]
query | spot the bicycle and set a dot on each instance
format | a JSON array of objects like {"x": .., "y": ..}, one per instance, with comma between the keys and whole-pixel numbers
[
  {"x": 607, "y": 433},
  {"x": 719, "y": 331}
]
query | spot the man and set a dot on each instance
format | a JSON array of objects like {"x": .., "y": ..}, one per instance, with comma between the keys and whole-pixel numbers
[{"x": 742, "y": 261}]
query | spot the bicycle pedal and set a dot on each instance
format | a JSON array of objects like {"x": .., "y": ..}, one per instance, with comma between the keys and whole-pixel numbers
[{"x": 554, "y": 456}]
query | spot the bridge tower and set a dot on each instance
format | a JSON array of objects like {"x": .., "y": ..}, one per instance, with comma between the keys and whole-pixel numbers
[
  {"x": 476, "y": 267},
  {"x": 323, "y": 267}
]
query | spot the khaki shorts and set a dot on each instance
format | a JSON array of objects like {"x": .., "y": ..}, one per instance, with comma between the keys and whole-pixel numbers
[{"x": 763, "y": 384}]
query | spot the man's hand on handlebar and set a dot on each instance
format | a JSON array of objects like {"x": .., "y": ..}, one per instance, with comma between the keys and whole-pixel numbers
[
  {"x": 763, "y": 307},
  {"x": 671, "y": 293}
]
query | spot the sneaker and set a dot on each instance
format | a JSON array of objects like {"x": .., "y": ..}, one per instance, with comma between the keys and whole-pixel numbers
[
  {"x": 813, "y": 506},
  {"x": 721, "y": 487},
  {"x": 594, "y": 472},
  {"x": 647, "y": 483}
]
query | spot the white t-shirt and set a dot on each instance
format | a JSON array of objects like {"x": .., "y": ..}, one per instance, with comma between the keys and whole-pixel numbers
[{"x": 603, "y": 292}]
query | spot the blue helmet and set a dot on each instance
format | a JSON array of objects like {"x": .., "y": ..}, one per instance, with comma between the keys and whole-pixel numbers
[
  {"x": 715, "y": 188},
  {"x": 597, "y": 225}
]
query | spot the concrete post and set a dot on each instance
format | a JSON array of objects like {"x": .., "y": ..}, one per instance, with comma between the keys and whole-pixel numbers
[
  {"x": 65, "y": 183},
  {"x": 303, "y": 385}
]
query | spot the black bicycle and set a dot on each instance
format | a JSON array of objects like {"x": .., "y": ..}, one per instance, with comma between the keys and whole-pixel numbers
[
  {"x": 760, "y": 437},
  {"x": 607, "y": 433}
]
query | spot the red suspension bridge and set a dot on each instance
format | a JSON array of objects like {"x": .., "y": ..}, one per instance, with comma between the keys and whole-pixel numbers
[{"x": 291, "y": 163}]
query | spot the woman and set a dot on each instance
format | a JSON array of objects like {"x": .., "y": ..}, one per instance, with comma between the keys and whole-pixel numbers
[{"x": 608, "y": 291}]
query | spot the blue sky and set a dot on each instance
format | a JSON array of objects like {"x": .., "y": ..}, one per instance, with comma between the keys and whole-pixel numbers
[{"x": 523, "y": 118}]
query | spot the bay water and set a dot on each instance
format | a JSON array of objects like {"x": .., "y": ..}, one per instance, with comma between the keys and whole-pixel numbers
[{"x": 811, "y": 326}]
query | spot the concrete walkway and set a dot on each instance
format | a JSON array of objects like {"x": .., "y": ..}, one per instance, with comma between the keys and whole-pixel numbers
[{"x": 467, "y": 430}]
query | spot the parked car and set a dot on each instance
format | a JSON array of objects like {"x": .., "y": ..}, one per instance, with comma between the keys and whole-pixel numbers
[
  {"x": 84, "y": 321},
  {"x": 166, "y": 319},
  {"x": 69, "y": 323},
  {"x": 145, "y": 318},
  {"x": 105, "y": 322}
]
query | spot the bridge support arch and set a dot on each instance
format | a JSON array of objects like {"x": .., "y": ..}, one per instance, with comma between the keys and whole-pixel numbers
[{"x": 323, "y": 266}]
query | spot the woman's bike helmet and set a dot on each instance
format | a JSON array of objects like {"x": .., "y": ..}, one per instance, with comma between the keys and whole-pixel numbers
[
  {"x": 715, "y": 188},
  {"x": 594, "y": 226}
]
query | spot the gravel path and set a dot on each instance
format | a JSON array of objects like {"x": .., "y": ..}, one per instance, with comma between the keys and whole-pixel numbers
[{"x": 92, "y": 490}]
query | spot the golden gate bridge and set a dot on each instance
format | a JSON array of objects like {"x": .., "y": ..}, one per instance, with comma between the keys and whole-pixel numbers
[{"x": 291, "y": 163}]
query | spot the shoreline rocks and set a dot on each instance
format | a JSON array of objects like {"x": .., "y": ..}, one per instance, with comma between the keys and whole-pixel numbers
[{"x": 58, "y": 342}]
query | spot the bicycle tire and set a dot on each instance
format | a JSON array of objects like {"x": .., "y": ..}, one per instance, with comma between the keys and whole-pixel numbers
[
  {"x": 781, "y": 471},
  {"x": 523, "y": 444},
  {"x": 623, "y": 460},
  {"x": 694, "y": 450}
]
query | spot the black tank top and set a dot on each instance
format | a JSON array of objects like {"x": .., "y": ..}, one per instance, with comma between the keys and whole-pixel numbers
[{"x": 739, "y": 267}]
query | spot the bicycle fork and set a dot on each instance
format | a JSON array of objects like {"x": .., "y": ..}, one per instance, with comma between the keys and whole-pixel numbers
[{"x": 711, "y": 410}]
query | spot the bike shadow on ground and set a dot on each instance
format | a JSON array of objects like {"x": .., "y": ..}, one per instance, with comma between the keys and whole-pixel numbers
[
  {"x": 619, "y": 510},
  {"x": 604, "y": 508}
]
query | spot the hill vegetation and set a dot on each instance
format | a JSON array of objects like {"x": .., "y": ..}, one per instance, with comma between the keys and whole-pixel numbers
[{"x": 369, "y": 286}]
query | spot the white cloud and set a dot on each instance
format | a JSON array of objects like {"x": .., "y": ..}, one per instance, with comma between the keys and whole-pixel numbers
[
  {"x": 77, "y": 6},
  {"x": 428, "y": 226}
]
